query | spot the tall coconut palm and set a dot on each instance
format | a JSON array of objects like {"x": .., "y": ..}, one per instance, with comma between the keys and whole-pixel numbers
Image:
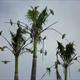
[
  {"x": 38, "y": 19},
  {"x": 17, "y": 46},
  {"x": 67, "y": 55}
]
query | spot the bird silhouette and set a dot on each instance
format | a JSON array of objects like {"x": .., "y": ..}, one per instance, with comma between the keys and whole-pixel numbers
[
  {"x": 45, "y": 52},
  {"x": 11, "y": 22},
  {"x": 5, "y": 61},
  {"x": 18, "y": 23},
  {"x": 36, "y": 7},
  {"x": 48, "y": 70},
  {"x": 44, "y": 38},
  {"x": 0, "y": 32},
  {"x": 2, "y": 48},
  {"x": 51, "y": 11},
  {"x": 63, "y": 36}
]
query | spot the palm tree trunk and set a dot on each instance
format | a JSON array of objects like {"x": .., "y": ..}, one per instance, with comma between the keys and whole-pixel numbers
[
  {"x": 34, "y": 62},
  {"x": 65, "y": 72},
  {"x": 16, "y": 68}
]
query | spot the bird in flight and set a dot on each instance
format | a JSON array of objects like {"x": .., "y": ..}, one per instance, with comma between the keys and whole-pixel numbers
[
  {"x": 5, "y": 61},
  {"x": 2, "y": 48}
]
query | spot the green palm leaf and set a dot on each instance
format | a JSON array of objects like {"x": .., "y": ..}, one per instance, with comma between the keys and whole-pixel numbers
[
  {"x": 42, "y": 18},
  {"x": 32, "y": 14},
  {"x": 17, "y": 40}
]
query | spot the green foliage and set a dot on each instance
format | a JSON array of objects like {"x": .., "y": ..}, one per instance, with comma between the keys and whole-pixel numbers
[
  {"x": 66, "y": 52},
  {"x": 60, "y": 49},
  {"x": 70, "y": 48},
  {"x": 38, "y": 19},
  {"x": 32, "y": 14},
  {"x": 42, "y": 18},
  {"x": 17, "y": 40}
]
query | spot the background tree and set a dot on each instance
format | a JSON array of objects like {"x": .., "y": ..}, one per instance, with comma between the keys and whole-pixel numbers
[
  {"x": 17, "y": 44},
  {"x": 67, "y": 54}
]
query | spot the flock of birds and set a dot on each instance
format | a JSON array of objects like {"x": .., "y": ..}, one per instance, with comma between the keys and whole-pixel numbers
[{"x": 2, "y": 48}]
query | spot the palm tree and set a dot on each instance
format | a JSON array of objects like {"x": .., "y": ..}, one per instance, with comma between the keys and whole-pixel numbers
[
  {"x": 38, "y": 19},
  {"x": 67, "y": 54},
  {"x": 17, "y": 46},
  {"x": 17, "y": 42}
]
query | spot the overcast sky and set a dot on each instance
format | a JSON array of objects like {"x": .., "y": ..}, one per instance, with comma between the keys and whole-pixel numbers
[{"x": 67, "y": 13}]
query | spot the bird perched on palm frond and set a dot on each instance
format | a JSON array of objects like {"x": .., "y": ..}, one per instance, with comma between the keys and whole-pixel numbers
[
  {"x": 44, "y": 38},
  {"x": 48, "y": 69},
  {"x": 36, "y": 7},
  {"x": 5, "y": 61},
  {"x": 63, "y": 36},
  {"x": 0, "y": 33},
  {"x": 11, "y": 22},
  {"x": 45, "y": 52},
  {"x": 51, "y": 11},
  {"x": 18, "y": 23}
]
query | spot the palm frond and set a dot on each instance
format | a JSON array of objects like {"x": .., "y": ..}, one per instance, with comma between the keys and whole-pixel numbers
[
  {"x": 42, "y": 18},
  {"x": 60, "y": 47},
  {"x": 17, "y": 40},
  {"x": 12, "y": 34},
  {"x": 32, "y": 14},
  {"x": 70, "y": 48},
  {"x": 66, "y": 53}
]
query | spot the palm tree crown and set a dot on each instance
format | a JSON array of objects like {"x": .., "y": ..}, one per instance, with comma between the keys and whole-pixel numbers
[
  {"x": 38, "y": 19},
  {"x": 17, "y": 41},
  {"x": 66, "y": 53}
]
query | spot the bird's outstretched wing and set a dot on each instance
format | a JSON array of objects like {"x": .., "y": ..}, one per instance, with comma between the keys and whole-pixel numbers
[{"x": 5, "y": 61}]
